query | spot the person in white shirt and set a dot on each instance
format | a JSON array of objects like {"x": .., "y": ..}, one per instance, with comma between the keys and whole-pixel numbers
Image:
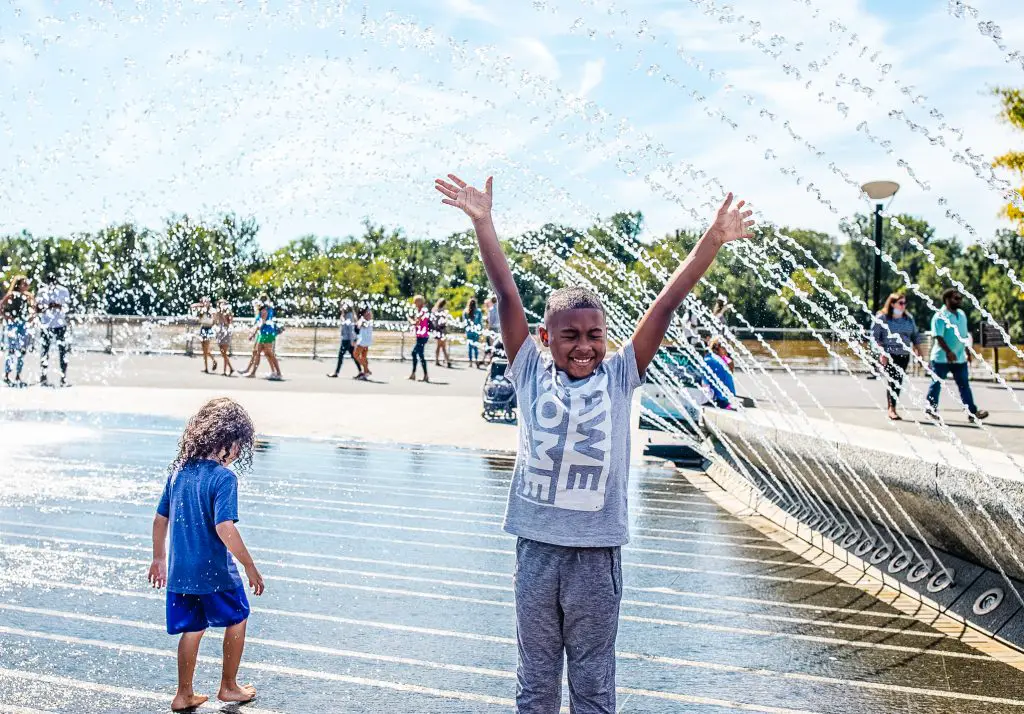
[{"x": 52, "y": 303}]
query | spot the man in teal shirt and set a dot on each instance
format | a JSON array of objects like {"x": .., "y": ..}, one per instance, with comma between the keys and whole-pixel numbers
[{"x": 949, "y": 354}]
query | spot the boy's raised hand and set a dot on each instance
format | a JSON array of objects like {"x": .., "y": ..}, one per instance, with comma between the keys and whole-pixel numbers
[
  {"x": 474, "y": 203},
  {"x": 157, "y": 574},
  {"x": 731, "y": 223}
]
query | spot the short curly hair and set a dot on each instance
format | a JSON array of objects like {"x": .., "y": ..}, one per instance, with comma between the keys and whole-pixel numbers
[
  {"x": 221, "y": 424},
  {"x": 573, "y": 298}
]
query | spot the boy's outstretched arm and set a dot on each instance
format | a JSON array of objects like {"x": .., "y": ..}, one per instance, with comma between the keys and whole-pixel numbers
[
  {"x": 730, "y": 224},
  {"x": 477, "y": 205},
  {"x": 229, "y": 535},
  {"x": 158, "y": 568}
]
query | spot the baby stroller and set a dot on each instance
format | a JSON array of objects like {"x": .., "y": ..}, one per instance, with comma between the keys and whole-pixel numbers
[{"x": 498, "y": 394}]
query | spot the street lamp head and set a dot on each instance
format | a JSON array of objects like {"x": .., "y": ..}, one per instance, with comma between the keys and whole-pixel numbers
[{"x": 880, "y": 190}]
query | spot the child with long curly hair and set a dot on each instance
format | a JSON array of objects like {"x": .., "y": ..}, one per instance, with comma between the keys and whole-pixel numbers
[{"x": 199, "y": 507}]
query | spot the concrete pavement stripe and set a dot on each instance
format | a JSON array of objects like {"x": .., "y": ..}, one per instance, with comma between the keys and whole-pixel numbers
[
  {"x": 688, "y": 496},
  {"x": 495, "y": 520},
  {"x": 485, "y": 671},
  {"x": 505, "y": 588},
  {"x": 394, "y": 686},
  {"x": 111, "y": 689},
  {"x": 444, "y": 597},
  {"x": 274, "y": 668},
  {"x": 494, "y": 551},
  {"x": 501, "y": 537},
  {"x": 497, "y": 499},
  {"x": 469, "y": 571}
]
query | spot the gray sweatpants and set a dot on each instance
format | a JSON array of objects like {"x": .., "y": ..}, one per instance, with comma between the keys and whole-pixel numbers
[{"x": 567, "y": 599}]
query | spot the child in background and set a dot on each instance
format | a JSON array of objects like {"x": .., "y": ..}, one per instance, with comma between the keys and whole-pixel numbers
[
  {"x": 721, "y": 365},
  {"x": 567, "y": 501},
  {"x": 199, "y": 507}
]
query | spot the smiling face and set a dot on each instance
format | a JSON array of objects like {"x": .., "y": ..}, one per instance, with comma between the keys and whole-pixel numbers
[{"x": 577, "y": 339}]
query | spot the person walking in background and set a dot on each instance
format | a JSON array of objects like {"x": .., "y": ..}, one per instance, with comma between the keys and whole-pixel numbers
[
  {"x": 420, "y": 321},
  {"x": 895, "y": 333},
  {"x": 223, "y": 320},
  {"x": 257, "y": 305},
  {"x": 949, "y": 355},
  {"x": 198, "y": 510},
  {"x": 439, "y": 326},
  {"x": 265, "y": 333},
  {"x": 52, "y": 304},
  {"x": 493, "y": 326},
  {"x": 348, "y": 338},
  {"x": 473, "y": 319},
  {"x": 363, "y": 342},
  {"x": 17, "y": 310},
  {"x": 204, "y": 311}
]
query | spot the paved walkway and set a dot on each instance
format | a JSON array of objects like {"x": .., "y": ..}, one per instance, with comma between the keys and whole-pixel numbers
[
  {"x": 389, "y": 590},
  {"x": 390, "y": 408},
  {"x": 860, "y": 402}
]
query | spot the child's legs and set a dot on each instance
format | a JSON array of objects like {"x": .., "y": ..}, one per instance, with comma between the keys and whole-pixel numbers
[
  {"x": 255, "y": 361},
  {"x": 224, "y": 356},
  {"x": 590, "y": 592},
  {"x": 275, "y": 366},
  {"x": 538, "y": 627},
  {"x": 234, "y": 645},
  {"x": 188, "y": 654},
  {"x": 364, "y": 359}
]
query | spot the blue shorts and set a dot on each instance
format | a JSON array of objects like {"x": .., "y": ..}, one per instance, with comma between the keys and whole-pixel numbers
[{"x": 194, "y": 613}]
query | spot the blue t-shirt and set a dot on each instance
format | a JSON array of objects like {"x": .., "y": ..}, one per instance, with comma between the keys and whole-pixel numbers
[
  {"x": 951, "y": 327},
  {"x": 201, "y": 495},
  {"x": 718, "y": 367}
]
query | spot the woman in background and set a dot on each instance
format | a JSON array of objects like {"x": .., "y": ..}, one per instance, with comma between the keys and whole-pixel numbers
[
  {"x": 223, "y": 319},
  {"x": 17, "y": 310},
  {"x": 439, "y": 323},
  {"x": 896, "y": 334},
  {"x": 363, "y": 341},
  {"x": 205, "y": 312}
]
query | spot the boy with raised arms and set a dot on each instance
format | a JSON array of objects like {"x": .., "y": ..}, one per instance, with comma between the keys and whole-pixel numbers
[{"x": 567, "y": 503}]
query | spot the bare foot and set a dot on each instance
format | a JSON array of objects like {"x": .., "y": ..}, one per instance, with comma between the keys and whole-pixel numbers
[
  {"x": 240, "y": 694},
  {"x": 184, "y": 703}
]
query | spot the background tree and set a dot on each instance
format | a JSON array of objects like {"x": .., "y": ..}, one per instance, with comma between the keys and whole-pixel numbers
[{"x": 1012, "y": 110}]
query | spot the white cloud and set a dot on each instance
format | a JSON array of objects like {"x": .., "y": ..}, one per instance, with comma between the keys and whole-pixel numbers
[
  {"x": 469, "y": 9},
  {"x": 535, "y": 56},
  {"x": 593, "y": 74}
]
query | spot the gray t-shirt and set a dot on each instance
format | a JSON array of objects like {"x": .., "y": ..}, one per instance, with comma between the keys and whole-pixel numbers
[
  {"x": 348, "y": 327},
  {"x": 572, "y": 465},
  {"x": 903, "y": 331}
]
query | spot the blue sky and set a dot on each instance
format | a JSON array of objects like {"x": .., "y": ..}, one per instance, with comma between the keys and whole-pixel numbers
[{"x": 314, "y": 115}]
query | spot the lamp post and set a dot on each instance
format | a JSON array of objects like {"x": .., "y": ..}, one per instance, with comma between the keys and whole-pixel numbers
[{"x": 878, "y": 191}]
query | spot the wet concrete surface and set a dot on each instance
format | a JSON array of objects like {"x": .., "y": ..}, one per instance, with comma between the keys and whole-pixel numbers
[{"x": 389, "y": 590}]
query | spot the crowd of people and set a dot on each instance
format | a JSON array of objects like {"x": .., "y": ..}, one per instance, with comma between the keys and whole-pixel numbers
[
  {"x": 424, "y": 324},
  {"x": 215, "y": 325},
  {"x": 895, "y": 338}
]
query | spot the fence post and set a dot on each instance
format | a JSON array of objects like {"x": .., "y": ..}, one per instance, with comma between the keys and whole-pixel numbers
[
  {"x": 401, "y": 349},
  {"x": 109, "y": 349},
  {"x": 316, "y": 333}
]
